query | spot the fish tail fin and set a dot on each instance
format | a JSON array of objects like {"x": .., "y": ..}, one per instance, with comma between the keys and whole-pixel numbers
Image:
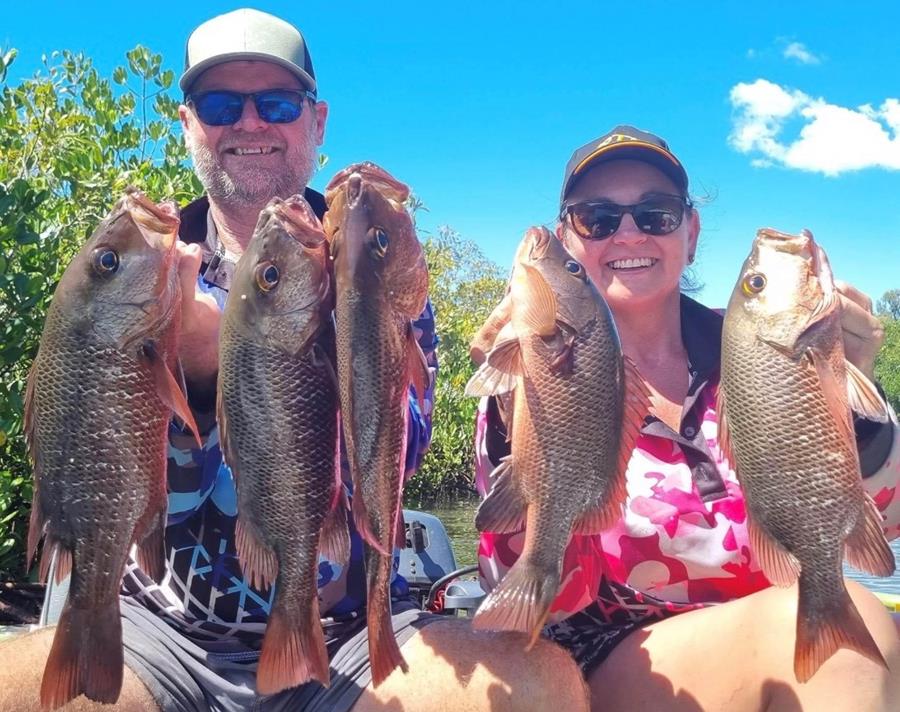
[
  {"x": 384, "y": 653},
  {"x": 86, "y": 657},
  {"x": 866, "y": 547},
  {"x": 521, "y": 602},
  {"x": 820, "y": 636},
  {"x": 293, "y": 652}
]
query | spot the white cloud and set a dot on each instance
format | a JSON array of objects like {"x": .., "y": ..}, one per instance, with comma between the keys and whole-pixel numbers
[
  {"x": 832, "y": 139},
  {"x": 799, "y": 51}
]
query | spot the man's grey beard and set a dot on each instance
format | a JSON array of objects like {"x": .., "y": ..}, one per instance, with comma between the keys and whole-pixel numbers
[{"x": 254, "y": 188}]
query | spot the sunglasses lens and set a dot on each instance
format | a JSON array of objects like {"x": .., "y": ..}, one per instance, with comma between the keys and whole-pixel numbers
[
  {"x": 595, "y": 221},
  {"x": 218, "y": 108},
  {"x": 659, "y": 216},
  {"x": 279, "y": 107}
]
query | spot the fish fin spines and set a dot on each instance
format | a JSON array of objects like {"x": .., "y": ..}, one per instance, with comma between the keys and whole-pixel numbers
[
  {"x": 292, "y": 653},
  {"x": 866, "y": 548},
  {"x": 167, "y": 388},
  {"x": 363, "y": 526},
  {"x": 151, "y": 556},
  {"x": 36, "y": 523},
  {"x": 490, "y": 381},
  {"x": 863, "y": 396},
  {"x": 86, "y": 657},
  {"x": 780, "y": 566},
  {"x": 258, "y": 561},
  {"x": 505, "y": 507},
  {"x": 335, "y": 537},
  {"x": 723, "y": 436},
  {"x": 520, "y": 603},
  {"x": 820, "y": 636}
]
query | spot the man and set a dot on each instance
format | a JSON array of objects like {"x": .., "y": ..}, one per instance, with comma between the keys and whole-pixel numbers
[{"x": 252, "y": 121}]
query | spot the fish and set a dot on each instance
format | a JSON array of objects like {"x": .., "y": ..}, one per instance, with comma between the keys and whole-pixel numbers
[
  {"x": 577, "y": 408},
  {"x": 277, "y": 411},
  {"x": 785, "y": 425},
  {"x": 381, "y": 281},
  {"x": 100, "y": 395}
]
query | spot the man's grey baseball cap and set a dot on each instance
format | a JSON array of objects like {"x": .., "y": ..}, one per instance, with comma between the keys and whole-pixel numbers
[{"x": 247, "y": 34}]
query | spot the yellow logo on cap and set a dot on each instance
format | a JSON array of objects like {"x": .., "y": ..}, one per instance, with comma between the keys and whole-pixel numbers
[{"x": 615, "y": 138}]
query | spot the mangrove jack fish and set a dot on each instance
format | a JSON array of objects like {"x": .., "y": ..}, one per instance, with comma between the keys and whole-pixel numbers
[
  {"x": 100, "y": 396},
  {"x": 277, "y": 415},
  {"x": 578, "y": 406},
  {"x": 381, "y": 287},
  {"x": 785, "y": 424}
]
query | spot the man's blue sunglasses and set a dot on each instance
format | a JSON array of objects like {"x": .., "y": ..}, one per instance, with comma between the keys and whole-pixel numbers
[{"x": 224, "y": 108}]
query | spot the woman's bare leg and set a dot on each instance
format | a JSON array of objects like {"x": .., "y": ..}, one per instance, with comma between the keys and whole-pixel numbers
[
  {"x": 739, "y": 657},
  {"x": 22, "y": 662}
]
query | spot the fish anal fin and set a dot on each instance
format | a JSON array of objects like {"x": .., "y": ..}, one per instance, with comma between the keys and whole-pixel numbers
[
  {"x": 334, "y": 542},
  {"x": 820, "y": 635},
  {"x": 258, "y": 561},
  {"x": 505, "y": 507},
  {"x": 779, "y": 566},
  {"x": 520, "y": 603},
  {"x": 534, "y": 303},
  {"x": 151, "y": 557},
  {"x": 36, "y": 523},
  {"x": 167, "y": 387},
  {"x": 361, "y": 522},
  {"x": 863, "y": 396},
  {"x": 866, "y": 547},
  {"x": 293, "y": 652}
]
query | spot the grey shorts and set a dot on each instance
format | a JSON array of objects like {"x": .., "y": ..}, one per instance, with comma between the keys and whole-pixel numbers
[{"x": 188, "y": 676}]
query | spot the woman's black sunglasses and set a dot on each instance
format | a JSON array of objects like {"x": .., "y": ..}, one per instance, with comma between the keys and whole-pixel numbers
[
  {"x": 224, "y": 108},
  {"x": 655, "y": 215}
]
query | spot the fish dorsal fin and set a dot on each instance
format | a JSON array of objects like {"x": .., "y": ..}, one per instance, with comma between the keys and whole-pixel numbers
[
  {"x": 534, "y": 301},
  {"x": 504, "y": 509},
  {"x": 866, "y": 548},
  {"x": 779, "y": 565},
  {"x": 607, "y": 509},
  {"x": 167, "y": 387},
  {"x": 863, "y": 396},
  {"x": 417, "y": 367},
  {"x": 835, "y": 395},
  {"x": 724, "y": 436}
]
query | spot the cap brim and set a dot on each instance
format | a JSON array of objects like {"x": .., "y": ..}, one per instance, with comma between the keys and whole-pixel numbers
[{"x": 191, "y": 75}]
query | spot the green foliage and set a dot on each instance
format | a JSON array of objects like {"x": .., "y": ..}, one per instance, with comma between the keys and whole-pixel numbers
[
  {"x": 887, "y": 365},
  {"x": 464, "y": 288},
  {"x": 71, "y": 141},
  {"x": 889, "y": 304}
]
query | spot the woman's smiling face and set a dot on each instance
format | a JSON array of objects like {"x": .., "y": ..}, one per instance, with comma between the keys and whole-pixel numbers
[{"x": 630, "y": 268}]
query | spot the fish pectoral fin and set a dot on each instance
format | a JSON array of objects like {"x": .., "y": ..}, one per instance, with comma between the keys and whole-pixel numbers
[
  {"x": 504, "y": 509},
  {"x": 863, "y": 396},
  {"x": 258, "y": 561},
  {"x": 167, "y": 387},
  {"x": 835, "y": 395},
  {"x": 417, "y": 367},
  {"x": 780, "y": 566},
  {"x": 534, "y": 303},
  {"x": 866, "y": 548},
  {"x": 499, "y": 373}
]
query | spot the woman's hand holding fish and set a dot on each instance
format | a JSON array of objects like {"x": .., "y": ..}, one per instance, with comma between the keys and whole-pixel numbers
[
  {"x": 200, "y": 317},
  {"x": 863, "y": 333}
]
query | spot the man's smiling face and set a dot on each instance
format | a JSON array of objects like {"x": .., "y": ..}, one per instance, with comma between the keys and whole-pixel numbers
[{"x": 251, "y": 161}]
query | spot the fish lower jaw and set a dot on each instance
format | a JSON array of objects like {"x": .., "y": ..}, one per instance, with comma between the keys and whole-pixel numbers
[{"x": 632, "y": 263}]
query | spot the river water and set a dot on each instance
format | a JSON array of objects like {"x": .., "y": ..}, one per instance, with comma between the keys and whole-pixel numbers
[{"x": 458, "y": 518}]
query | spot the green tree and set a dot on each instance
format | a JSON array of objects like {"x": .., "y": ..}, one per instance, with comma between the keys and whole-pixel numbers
[
  {"x": 889, "y": 304},
  {"x": 464, "y": 287},
  {"x": 887, "y": 364},
  {"x": 71, "y": 141}
]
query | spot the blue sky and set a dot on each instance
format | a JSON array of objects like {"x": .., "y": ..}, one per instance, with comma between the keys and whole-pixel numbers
[{"x": 785, "y": 115}]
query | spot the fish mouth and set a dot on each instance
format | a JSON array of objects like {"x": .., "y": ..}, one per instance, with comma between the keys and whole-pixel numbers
[
  {"x": 631, "y": 264},
  {"x": 155, "y": 221},
  {"x": 300, "y": 220},
  {"x": 802, "y": 244}
]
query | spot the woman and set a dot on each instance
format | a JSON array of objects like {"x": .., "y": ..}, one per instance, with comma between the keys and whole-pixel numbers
[{"x": 682, "y": 543}]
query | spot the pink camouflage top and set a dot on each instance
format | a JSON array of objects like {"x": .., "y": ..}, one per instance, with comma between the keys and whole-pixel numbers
[{"x": 682, "y": 541}]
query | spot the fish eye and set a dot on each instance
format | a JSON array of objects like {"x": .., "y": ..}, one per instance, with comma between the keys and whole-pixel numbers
[
  {"x": 105, "y": 260},
  {"x": 575, "y": 269},
  {"x": 267, "y": 276},
  {"x": 379, "y": 241},
  {"x": 753, "y": 284}
]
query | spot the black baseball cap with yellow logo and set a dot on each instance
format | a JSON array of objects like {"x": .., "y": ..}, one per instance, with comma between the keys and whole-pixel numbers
[{"x": 624, "y": 142}]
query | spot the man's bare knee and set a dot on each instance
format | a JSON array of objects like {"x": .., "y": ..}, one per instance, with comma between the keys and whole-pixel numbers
[{"x": 23, "y": 668}]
